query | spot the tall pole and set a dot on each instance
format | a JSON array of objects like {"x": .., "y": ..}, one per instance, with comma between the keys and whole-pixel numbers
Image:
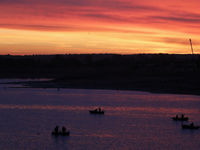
[{"x": 191, "y": 45}]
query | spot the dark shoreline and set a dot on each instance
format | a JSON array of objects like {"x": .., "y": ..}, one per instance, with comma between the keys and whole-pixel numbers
[
  {"x": 157, "y": 73},
  {"x": 105, "y": 86}
]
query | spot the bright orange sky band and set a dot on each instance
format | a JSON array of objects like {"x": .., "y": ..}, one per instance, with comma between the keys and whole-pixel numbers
[{"x": 99, "y": 26}]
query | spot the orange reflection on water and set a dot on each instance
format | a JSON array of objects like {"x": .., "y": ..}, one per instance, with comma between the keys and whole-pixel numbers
[{"x": 108, "y": 109}]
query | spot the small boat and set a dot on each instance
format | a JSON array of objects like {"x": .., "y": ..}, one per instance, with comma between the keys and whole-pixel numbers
[
  {"x": 55, "y": 133},
  {"x": 192, "y": 127},
  {"x": 64, "y": 132},
  {"x": 180, "y": 118},
  {"x": 97, "y": 111},
  {"x": 67, "y": 133},
  {"x": 61, "y": 133}
]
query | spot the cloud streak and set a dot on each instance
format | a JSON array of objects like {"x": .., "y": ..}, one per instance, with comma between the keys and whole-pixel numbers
[
  {"x": 146, "y": 18},
  {"x": 65, "y": 12},
  {"x": 52, "y": 28}
]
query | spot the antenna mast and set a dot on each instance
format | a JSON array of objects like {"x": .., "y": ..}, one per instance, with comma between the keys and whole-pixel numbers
[{"x": 191, "y": 45}]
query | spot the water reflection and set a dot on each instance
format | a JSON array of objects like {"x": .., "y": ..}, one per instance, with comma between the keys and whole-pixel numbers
[{"x": 107, "y": 109}]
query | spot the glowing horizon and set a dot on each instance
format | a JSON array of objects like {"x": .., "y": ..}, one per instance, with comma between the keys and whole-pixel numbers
[{"x": 101, "y": 26}]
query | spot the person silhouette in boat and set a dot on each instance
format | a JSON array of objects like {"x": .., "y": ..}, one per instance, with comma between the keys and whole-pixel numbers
[
  {"x": 182, "y": 116},
  {"x": 192, "y": 124},
  {"x": 56, "y": 130},
  {"x": 63, "y": 130},
  {"x": 99, "y": 109},
  {"x": 176, "y": 116}
]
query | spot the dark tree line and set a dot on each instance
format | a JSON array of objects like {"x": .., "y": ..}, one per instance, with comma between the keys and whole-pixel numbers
[{"x": 99, "y": 66}]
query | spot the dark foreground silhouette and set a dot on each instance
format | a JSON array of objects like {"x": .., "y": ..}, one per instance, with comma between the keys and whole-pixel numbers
[{"x": 145, "y": 72}]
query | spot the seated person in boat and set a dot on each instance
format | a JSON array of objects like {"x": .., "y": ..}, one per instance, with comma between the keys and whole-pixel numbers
[
  {"x": 56, "y": 130},
  {"x": 99, "y": 109},
  {"x": 63, "y": 130}
]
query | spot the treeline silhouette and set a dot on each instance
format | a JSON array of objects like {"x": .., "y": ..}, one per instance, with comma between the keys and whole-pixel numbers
[
  {"x": 149, "y": 71},
  {"x": 98, "y": 65}
]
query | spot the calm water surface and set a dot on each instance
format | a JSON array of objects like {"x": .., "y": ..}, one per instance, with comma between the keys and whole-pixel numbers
[{"x": 132, "y": 120}]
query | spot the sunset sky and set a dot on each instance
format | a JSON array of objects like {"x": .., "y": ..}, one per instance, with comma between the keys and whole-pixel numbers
[{"x": 99, "y": 26}]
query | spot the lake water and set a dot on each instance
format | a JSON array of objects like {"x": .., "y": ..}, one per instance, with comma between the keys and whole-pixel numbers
[{"x": 132, "y": 120}]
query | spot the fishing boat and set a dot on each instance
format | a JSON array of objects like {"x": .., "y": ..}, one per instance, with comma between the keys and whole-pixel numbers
[
  {"x": 61, "y": 133},
  {"x": 64, "y": 132},
  {"x": 180, "y": 118},
  {"x": 191, "y": 126},
  {"x": 97, "y": 111}
]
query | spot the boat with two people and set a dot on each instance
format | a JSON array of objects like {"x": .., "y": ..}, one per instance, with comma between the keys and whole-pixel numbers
[
  {"x": 64, "y": 131},
  {"x": 97, "y": 111},
  {"x": 182, "y": 118},
  {"x": 190, "y": 126}
]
